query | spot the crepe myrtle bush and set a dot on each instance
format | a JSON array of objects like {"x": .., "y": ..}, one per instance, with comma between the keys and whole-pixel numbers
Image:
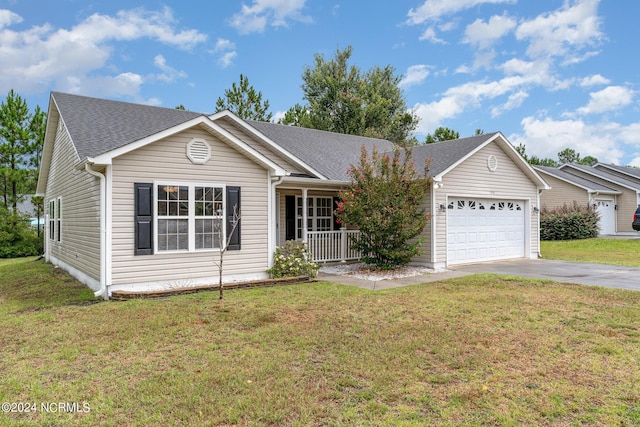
[
  {"x": 569, "y": 222},
  {"x": 293, "y": 260},
  {"x": 384, "y": 203}
]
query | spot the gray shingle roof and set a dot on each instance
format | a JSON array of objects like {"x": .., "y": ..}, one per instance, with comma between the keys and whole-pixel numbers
[
  {"x": 99, "y": 125},
  {"x": 624, "y": 169},
  {"x": 329, "y": 153},
  {"x": 445, "y": 154},
  {"x": 608, "y": 176},
  {"x": 582, "y": 182}
]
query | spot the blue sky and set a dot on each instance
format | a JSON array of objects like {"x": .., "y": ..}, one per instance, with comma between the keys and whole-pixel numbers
[{"x": 548, "y": 74}]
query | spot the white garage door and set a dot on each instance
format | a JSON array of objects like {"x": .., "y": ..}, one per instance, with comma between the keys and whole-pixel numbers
[
  {"x": 484, "y": 230},
  {"x": 606, "y": 209}
]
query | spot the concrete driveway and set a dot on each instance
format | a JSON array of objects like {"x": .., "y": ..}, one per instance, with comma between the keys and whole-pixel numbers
[{"x": 611, "y": 276}]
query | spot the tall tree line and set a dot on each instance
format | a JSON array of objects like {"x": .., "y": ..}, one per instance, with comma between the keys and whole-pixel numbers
[{"x": 21, "y": 142}]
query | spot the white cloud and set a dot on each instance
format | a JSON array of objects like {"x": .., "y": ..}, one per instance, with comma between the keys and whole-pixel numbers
[
  {"x": 430, "y": 34},
  {"x": 7, "y": 18},
  {"x": 470, "y": 95},
  {"x": 594, "y": 80},
  {"x": 226, "y": 50},
  {"x": 431, "y": 10},
  {"x": 483, "y": 34},
  {"x": 75, "y": 60},
  {"x": 227, "y": 59},
  {"x": 415, "y": 75},
  {"x": 607, "y": 99},
  {"x": 635, "y": 162},
  {"x": 515, "y": 100},
  {"x": 546, "y": 137},
  {"x": 277, "y": 13},
  {"x": 169, "y": 74},
  {"x": 563, "y": 32}
]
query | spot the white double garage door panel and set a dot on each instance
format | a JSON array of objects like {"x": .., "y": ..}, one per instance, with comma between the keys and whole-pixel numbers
[{"x": 484, "y": 230}]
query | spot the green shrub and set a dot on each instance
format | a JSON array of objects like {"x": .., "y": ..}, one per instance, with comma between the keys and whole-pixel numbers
[
  {"x": 17, "y": 237},
  {"x": 569, "y": 223},
  {"x": 293, "y": 260}
]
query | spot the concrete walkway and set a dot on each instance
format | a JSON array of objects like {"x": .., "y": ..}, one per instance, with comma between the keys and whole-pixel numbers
[{"x": 563, "y": 271}]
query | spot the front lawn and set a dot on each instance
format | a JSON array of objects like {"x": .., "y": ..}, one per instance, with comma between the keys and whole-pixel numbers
[
  {"x": 600, "y": 251},
  {"x": 479, "y": 350}
]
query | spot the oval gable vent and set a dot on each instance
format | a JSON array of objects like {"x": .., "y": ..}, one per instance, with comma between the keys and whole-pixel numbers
[
  {"x": 198, "y": 151},
  {"x": 492, "y": 163}
]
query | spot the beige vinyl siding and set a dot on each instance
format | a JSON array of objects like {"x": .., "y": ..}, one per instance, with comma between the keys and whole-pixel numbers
[
  {"x": 472, "y": 178},
  {"x": 259, "y": 146},
  {"x": 80, "y": 195},
  {"x": 426, "y": 257},
  {"x": 626, "y": 202},
  {"x": 166, "y": 161},
  {"x": 562, "y": 193}
]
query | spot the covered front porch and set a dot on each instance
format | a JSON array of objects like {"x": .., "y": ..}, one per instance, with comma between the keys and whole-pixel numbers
[{"x": 306, "y": 213}]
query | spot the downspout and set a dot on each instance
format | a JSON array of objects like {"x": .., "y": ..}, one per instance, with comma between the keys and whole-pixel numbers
[
  {"x": 103, "y": 232},
  {"x": 272, "y": 213}
]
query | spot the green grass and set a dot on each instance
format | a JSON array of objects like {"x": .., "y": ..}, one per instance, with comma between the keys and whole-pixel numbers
[
  {"x": 480, "y": 350},
  {"x": 601, "y": 251}
]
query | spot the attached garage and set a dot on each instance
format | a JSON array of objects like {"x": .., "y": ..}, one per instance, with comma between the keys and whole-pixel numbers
[
  {"x": 485, "y": 230},
  {"x": 484, "y": 202}
]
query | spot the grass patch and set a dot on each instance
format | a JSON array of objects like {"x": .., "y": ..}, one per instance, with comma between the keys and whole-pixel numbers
[
  {"x": 479, "y": 350},
  {"x": 600, "y": 251}
]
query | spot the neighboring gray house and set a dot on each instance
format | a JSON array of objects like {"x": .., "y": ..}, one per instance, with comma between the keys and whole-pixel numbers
[
  {"x": 613, "y": 190},
  {"x": 133, "y": 194}
]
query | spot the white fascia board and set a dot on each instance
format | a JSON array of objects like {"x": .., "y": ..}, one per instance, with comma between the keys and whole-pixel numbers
[
  {"x": 499, "y": 138},
  {"x": 271, "y": 144},
  {"x": 107, "y": 158},
  {"x": 50, "y": 136}
]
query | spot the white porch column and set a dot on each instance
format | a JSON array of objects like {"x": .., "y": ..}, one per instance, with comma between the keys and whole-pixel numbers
[{"x": 304, "y": 214}]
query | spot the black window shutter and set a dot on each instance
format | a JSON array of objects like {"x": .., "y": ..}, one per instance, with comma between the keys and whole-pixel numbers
[
  {"x": 143, "y": 218},
  {"x": 336, "y": 224},
  {"x": 233, "y": 200},
  {"x": 290, "y": 217}
]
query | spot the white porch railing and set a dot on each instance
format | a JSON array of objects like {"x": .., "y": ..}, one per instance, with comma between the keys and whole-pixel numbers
[{"x": 326, "y": 246}]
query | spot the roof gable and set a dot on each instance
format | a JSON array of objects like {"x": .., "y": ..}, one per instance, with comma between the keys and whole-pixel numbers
[{"x": 446, "y": 155}]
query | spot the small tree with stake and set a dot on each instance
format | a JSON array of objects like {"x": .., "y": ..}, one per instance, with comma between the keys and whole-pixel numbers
[{"x": 223, "y": 247}]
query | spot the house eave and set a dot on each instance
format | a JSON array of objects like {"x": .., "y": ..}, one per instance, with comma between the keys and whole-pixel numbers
[
  {"x": 212, "y": 127},
  {"x": 271, "y": 144}
]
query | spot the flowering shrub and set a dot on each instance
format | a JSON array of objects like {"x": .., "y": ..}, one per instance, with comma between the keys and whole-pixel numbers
[
  {"x": 293, "y": 260},
  {"x": 384, "y": 203}
]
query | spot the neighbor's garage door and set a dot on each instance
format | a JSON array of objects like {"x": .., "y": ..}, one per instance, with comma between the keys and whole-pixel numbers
[{"x": 484, "y": 230}]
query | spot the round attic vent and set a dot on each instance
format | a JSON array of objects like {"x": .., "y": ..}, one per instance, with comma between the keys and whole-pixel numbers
[
  {"x": 198, "y": 151},
  {"x": 492, "y": 163}
]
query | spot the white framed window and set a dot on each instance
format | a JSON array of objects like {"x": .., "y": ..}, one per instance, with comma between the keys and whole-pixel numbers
[
  {"x": 55, "y": 219},
  {"x": 52, "y": 219},
  {"x": 319, "y": 214},
  {"x": 189, "y": 216},
  {"x": 59, "y": 220}
]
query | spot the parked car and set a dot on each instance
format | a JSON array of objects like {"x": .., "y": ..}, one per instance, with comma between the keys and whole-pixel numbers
[{"x": 636, "y": 220}]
